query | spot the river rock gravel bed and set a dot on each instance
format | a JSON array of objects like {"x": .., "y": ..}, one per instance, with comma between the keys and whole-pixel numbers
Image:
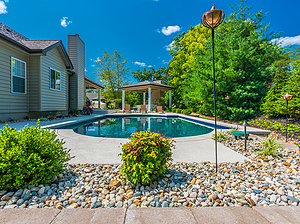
[{"x": 260, "y": 181}]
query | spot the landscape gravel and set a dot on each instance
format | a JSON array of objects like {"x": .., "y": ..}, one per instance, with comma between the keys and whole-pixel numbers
[{"x": 258, "y": 182}]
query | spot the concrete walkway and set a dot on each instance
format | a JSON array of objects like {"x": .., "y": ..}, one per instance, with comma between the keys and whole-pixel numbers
[{"x": 230, "y": 215}]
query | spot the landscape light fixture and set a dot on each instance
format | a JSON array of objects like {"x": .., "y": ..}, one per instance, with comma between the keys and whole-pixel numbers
[
  {"x": 211, "y": 20},
  {"x": 245, "y": 124},
  {"x": 287, "y": 97},
  {"x": 227, "y": 99}
]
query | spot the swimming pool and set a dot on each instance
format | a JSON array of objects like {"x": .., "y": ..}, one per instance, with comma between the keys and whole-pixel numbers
[{"x": 124, "y": 126}]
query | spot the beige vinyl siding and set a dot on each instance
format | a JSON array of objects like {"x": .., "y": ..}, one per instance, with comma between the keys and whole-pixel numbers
[
  {"x": 34, "y": 90},
  {"x": 11, "y": 102},
  {"x": 77, "y": 86},
  {"x": 72, "y": 52},
  {"x": 53, "y": 100}
]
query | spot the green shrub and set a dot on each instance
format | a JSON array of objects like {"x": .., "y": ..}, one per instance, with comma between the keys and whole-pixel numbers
[
  {"x": 145, "y": 157},
  {"x": 221, "y": 135},
  {"x": 178, "y": 111},
  {"x": 174, "y": 110},
  {"x": 269, "y": 147},
  {"x": 187, "y": 111},
  {"x": 111, "y": 106},
  {"x": 30, "y": 156},
  {"x": 74, "y": 112}
]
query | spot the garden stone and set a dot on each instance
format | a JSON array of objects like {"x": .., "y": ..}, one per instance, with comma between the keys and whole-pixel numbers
[
  {"x": 119, "y": 204},
  {"x": 19, "y": 193},
  {"x": 165, "y": 204},
  {"x": 34, "y": 189},
  {"x": 41, "y": 191},
  {"x": 273, "y": 198},
  {"x": 158, "y": 204},
  {"x": 2, "y": 203},
  {"x": 294, "y": 200}
]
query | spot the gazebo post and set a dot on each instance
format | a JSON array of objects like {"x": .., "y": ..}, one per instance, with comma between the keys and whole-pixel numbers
[
  {"x": 170, "y": 98},
  {"x": 123, "y": 100},
  {"x": 149, "y": 99},
  {"x": 144, "y": 98},
  {"x": 99, "y": 98}
]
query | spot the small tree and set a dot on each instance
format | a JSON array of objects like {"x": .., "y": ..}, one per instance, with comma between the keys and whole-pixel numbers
[{"x": 112, "y": 74}]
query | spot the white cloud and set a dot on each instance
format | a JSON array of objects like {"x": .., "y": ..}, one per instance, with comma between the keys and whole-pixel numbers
[
  {"x": 142, "y": 64},
  {"x": 165, "y": 62},
  {"x": 170, "y": 46},
  {"x": 150, "y": 66},
  {"x": 169, "y": 30},
  {"x": 98, "y": 59},
  {"x": 286, "y": 41},
  {"x": 93, "y": 65},
  {"x": 85, "y": 70},
  {"x": 156, "y": 0},
  {"x": 64, "y": 23},
  {"x": 3, "y": 7}
]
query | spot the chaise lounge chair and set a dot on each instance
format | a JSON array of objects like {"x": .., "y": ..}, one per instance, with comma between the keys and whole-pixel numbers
[
  {"x": 143, "y": 109},
  {"x": 127, "y": 108},
  {"x": 159, "y": 109}
]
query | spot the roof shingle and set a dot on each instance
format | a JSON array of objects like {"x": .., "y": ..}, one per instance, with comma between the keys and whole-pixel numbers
[{"x": 24, "y": 41}]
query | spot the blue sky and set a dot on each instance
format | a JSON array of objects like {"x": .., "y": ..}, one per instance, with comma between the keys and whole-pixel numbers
[{"x": 140, "y": 30}]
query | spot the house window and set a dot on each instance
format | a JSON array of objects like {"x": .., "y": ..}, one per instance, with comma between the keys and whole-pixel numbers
[
  {"x": 54, "y": 79},
  {"x": 18, "y": 76}
]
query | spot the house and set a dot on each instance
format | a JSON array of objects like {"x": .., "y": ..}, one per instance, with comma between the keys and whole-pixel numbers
[
  {"x": 93, "y": 97},
  {"x": 39, "y": 76}
]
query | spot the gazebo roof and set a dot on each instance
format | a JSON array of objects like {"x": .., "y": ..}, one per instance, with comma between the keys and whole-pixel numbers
[{"x": 143, "y": 86}]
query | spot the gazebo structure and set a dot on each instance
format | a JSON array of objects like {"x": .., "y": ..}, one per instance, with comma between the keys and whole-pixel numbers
[{"x": 152, "y": 87}]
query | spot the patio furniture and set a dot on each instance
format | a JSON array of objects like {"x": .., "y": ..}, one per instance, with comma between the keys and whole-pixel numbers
[
  {"x": 137, "y": 108},
  {"x": 143, "y": 109},
  {"x": 238, "y": 134},
  {"x": 159, "y": 109},
  {"x": 127, "y": 108}
]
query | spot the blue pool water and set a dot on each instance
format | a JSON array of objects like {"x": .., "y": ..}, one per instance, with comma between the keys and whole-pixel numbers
[{"x": 123, "y": 127}]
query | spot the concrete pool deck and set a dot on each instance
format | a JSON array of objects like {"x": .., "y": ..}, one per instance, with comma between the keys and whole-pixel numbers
[{"x": 99, "y": 150}]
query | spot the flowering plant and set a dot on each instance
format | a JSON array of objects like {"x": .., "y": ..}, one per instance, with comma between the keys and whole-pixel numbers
[
  {"x": 145, "y": 156},
  {"x": 87, "y": 111}
]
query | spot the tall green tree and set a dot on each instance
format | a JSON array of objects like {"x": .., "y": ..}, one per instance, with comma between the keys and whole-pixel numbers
[
  {"x": 243, "y": 56},
  {"x": 184, "y": 49},
  {"x": 151, "y": 75},
  {"x": 113, "y": 73}
]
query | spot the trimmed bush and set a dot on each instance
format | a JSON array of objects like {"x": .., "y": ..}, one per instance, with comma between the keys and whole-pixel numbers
[
  {"x": 178, "y": 111},
  {"x": 145, "y": 156},
  {"x": 187, "y": 111},
  {"x": 30, "y": 156}
]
